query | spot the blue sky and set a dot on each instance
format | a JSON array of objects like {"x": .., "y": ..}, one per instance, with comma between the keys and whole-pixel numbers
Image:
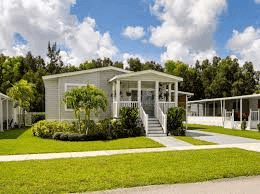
[{"x": 157, "y": 30}]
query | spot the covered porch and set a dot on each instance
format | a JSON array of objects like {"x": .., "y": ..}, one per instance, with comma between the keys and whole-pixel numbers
[
  {"x": 8, "y": 114},
  {"x": 228, "y": 112},
  {"x": 152, "y": 92}
]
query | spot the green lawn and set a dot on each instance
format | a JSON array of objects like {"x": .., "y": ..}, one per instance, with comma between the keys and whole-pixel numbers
[
  {"x": 128, "y": 170},
  {"x": 21, "y": 141},
  {"x": 235, "y": 132},
  {"x": 194, "y": 141}
]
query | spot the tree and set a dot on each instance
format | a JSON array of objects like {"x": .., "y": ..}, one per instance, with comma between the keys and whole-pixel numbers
[
  {"x": 55, "y": 65},
  {"x": 88, "y": 98},
  {"x": 23, "y": 93},
  {"x": 135, "y": 64}
]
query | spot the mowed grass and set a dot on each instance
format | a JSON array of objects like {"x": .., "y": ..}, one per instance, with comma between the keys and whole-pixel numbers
[
  {"x": 235, "y": 132},
  {"x": 21, "y": 141},
  {"x": 128, "y": 170},
  {"x": 194, "y": 141}
]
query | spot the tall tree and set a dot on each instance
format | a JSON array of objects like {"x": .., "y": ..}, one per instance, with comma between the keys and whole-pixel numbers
[{"x": 55, "y": 62}]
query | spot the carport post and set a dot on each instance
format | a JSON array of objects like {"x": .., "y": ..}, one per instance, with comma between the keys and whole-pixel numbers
[
  {"x": 241, "y": 109},
  {"x": 1, "y": 116},
  {"x": 7, "y": 114}
]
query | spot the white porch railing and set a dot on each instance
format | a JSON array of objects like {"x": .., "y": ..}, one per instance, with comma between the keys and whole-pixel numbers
[
  {"x": 118, "y": 105},
  {"x": 144, "y": 118},
  {"x": 229, "y": 115},
  {"x": 165, "y": 106},
  {"x": 161, "y": 117}
]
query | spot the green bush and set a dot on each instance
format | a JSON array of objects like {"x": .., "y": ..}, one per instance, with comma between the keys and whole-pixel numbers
[
  {"x": 175, "y": 121},
  {"x": 37, "y": 117},
  {"x": 243, "y": 125},
  {"x": 258, "y": 127},
  {"x": 128, "y": 117},
  {"x": 46, "y": 129}
]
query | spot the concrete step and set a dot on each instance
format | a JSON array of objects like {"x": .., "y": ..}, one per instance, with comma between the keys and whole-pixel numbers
[
  {"x": 154, "y": 128},
  {"x": 153, "y": 121},
  {"x": 154, "y": 125},
  {"x": 156, "y": 135}
]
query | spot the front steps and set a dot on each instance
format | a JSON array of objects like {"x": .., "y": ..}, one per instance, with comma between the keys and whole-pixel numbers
[{"x": 154, "y": 128}]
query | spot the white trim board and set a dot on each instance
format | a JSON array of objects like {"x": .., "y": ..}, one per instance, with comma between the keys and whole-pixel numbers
[{"x": 84, "y": 71}]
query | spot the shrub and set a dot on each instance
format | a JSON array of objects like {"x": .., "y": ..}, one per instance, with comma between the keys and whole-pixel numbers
[
  {"x": 175, "y": 121},
  {"x": 128, "y": 117},
  {"x": 37, "y": 117},
  {"x": 243, "y": 125},
  {"x": 258, "y": 127},
  {"x": 64, "y": 137},
  {"x": 46, "y": 129},
  {"x": 57, "y": 135}
]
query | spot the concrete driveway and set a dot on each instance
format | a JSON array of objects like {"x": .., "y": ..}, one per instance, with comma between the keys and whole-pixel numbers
[
  {"x": 238, "y": 185},
  {"x": 221, "y": 139}
]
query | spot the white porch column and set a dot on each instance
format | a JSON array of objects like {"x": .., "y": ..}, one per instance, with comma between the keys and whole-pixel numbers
[
  {"x": 241, "y": 109},
  {"x": 7, "y": 113},
  {"x": 221, "y": 108},
  {"x": 139, "y": 91},
  {"x": 156, "y": 98},
  {"x": 1, "y": 116},
  {"x": 170, "y": 92},
  {"x": 113, "y": 91},
  {"x": 176, "y": 94},
  {"x": 205, "y": 106},
  {"x": 117, "y": 97},
  {"x": 214, "y": 108}
]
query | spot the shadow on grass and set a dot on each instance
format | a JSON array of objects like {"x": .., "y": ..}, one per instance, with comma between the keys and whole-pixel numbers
[{"x": 13, "y": 133}]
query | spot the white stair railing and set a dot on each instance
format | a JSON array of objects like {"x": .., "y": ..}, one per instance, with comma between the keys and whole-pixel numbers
[
  {"x": 161, "y": 117},
  {"x": 165, "y": 106},
  {"x": 144, "y": 117}
]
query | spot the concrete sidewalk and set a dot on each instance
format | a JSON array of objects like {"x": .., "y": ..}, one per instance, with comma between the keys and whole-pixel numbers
[
  {"x": 8, "y": 158},
  {"x": 239, "y": 185}
]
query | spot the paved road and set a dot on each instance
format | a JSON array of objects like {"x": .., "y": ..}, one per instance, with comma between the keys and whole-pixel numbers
[
  {"x": 247, "y": 185},
  {"x": 221, "y": 139}
]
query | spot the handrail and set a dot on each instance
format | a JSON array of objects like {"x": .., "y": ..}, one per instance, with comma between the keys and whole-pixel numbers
[
  {"x": 161, "y": 117},
  {"x": 144, "y": 117},
  {"x": 165, "y": 106}
]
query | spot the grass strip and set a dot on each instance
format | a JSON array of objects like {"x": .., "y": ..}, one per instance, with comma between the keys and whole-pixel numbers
[
  {"x": 194, "y": 141},
  {"x": 21, "y": 141},
  {"x": 128, "y": 170},
  {"x": 221, "y": 130}
]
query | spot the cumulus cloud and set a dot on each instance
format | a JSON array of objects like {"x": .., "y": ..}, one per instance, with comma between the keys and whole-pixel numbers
[
  {"x": 127, "y": 56},
  {"x": 247, "y": 45},
  {"x": 186, "y": 28},
  {"x": 133, "y": 32},
  {"x": 40, "y": 21},
  {"x": 257, "y": 1}
]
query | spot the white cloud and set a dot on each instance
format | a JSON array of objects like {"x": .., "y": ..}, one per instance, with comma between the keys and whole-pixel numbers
[
  {"x": 133, "y": 32},
  {"x": 42, "y": 21},
  {"x": 257, "y": 1},
  {"x": 127, "y": 56},
  {"x": 247, "y": 45},
  {"x": 186, "y": 28}
]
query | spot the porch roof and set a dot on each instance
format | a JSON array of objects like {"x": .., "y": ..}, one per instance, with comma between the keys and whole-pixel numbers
[
  {"x": 3, "y": 96},
  {"x": 226, "y": 98},
  {"x": 147, "y": 75}
]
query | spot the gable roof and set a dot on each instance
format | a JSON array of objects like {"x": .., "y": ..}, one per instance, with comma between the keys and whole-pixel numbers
[
  {"x": 145, "y": 72},
  {"x": 84, "y": 71},
  {"x": 3, "y": 96}
]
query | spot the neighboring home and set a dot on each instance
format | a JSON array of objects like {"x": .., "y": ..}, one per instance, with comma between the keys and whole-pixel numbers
[
  {"x": 227, "y": 112},
  {"x": 8, "y": 114},
  {"x": 151, "y": 91}
]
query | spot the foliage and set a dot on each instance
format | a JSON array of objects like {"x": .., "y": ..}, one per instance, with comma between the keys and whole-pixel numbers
[
  {"x": 23, "y": 93},
  {"x": 55, "y": 65},
  {"x": 128, "y": 117},
  {"x": 175, "y": 121},
  {"x": 243, "y": 125},
  {"x": 258, "y": 127},
  {"x": 88, "y": 98},
  {"x": 46, "y": 129},
  {"x": 37, "y": 117}
]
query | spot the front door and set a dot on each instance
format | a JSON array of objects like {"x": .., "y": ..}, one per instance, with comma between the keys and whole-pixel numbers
[{"x": 148, "y": 102}]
